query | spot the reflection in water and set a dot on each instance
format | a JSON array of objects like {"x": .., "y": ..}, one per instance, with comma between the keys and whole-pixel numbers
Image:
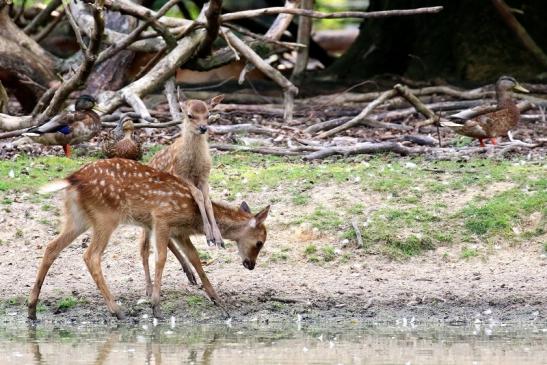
[{"x": 372, "y": 344}]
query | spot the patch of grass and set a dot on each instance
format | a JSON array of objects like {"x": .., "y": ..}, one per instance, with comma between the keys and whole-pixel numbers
[
  {"x": 67, "y": 303},
  {"x": 37, "y": 171},
  {"x": 356, "y": 209},
  {"x": 7, "y": 201},
  {"x": 301, "y": 199},
  {"x": 204, "y": 255},
  {"x": 279, "y": 256},
  {"x": 322, "y": 219},
  {"x": 195, "y": 301},
  {"x": 501, "y": 212},
  {"x": 345, "y": 258},
  {"x": 329, "y": 253},
  {"x": 411, "y": 246},
  {"x": 310, "y": 249},
  {"x": 467, "y": 253},
  {"x": 545, "y": 247},
  {"x": 47, "y": 207},
  {"x": 19, "y": 233}
]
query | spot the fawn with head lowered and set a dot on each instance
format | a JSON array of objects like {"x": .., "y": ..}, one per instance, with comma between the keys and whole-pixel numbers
[{"x": 107, "y": 193}]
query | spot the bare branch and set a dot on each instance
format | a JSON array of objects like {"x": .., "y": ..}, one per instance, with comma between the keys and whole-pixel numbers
[
  {"x": 83, "y": 72},
  {"x": 50, "y": 26},
  {"x": 132, "y": 37},
  {"x": 42, "y": 16},
  {"x": 359, "y": 118},
  {"x": 212, "y": 14},
  {"x": 360, "y": 148},
  {"x": 174, "y": 108},
  {"x": 316, "y": 14},
  {"x": 303, "y": 37},
  {"x": 520, "y": 31},
  {"x": 289, "y": 89},
  {"x": 74, "y": 26}
]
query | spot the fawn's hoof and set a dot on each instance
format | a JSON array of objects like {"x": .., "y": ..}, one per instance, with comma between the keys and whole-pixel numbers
[
  {"x": 120, "y": 315},
  {"x": 31, "y": 315},
  {"x": 221, "y": 244},
  {"x": 191, "y": 278},
  {"x": 210, "y": 242},
  {"x": 156, "y": 312}
]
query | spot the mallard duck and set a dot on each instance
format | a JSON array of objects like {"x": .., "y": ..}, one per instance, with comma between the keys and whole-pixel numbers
[
  {"x": 69, "y": 127},
  {"x": 127, "y": 146},
  {"x": 497, "y": 123}
]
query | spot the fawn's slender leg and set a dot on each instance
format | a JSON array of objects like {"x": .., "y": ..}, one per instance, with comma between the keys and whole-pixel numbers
[
  {"x": 192, "y": 254},
  {"x": 203, "y": 186},
  {"x": 144, "y": 245},
  {"x": 198, "y": 198},
  {"x": 160, "y": 234},
  {"x": 69, "y": 233},
  {"x": 145, "y": 254},
  {"x": 183, "y": 262},
  {"x": 102, "y": 229}
]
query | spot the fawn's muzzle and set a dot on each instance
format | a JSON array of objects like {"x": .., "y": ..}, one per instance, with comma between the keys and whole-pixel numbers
[
  {"x": 202, "y": 129},
  {"x": 248, "y": 264}
]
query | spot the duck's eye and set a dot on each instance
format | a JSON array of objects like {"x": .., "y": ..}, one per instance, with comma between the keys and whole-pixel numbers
[{"x": 259, "y": 244}]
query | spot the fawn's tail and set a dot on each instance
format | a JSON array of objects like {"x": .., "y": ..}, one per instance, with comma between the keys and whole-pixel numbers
[{"x": 54, "y": 186}]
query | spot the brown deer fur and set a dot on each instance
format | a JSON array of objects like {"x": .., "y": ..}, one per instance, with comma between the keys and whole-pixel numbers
[
  {"x": 188, "y": 158},
  {"x": 107, "y": 193}
]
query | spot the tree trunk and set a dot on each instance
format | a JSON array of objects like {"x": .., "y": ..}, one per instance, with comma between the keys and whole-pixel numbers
[
  {"x": 26, "y": 69},
  {"x": 468, "y": 40}
]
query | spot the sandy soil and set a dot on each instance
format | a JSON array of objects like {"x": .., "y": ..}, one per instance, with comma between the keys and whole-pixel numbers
[{"x": 507, "y": 284}]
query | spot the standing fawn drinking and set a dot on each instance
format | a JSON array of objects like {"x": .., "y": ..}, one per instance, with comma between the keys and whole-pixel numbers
[{"x": 107, "y": 193}]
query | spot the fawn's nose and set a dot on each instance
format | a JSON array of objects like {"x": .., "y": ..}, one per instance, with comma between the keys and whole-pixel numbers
[
  {"x": 202, "y": 129},
  {"x": 248, "y": 264}
]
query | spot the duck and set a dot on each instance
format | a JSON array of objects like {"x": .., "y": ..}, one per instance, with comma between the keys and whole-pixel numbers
[
  {"x": 68, "y": 128},
  {"x": 493, "y": 124},
  {"x": 125, "y": 147}
]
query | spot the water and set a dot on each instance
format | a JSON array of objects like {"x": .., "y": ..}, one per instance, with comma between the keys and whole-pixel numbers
[{"x": 406, "y": 343}]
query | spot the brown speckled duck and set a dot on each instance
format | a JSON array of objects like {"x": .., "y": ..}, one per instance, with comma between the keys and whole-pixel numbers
[
  {"x": 127, "y": 146},
  {"x": 497, "y": 123},
  {"x": 69, "y": 128}
]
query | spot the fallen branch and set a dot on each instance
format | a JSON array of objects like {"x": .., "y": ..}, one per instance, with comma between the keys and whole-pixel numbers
[
  {"x": 303, "y": 37},
  {"x": 172, "y": 101},
  {"x": 357, "y": 231},
  {"x": 361, "y": 148},
  {"x": 212, "y": 14},
  {"x": 289, "y": 90},
  {"x": 359, "y": 118},
  {"x": 316, "y": 14},
  {"x": 505, "y": 12},
  {"x": 263, "y": 150},
  {"x": 241, "y": 128},
  {"x": 42, "y": 16},
  {"x": 83, "y": 72}
]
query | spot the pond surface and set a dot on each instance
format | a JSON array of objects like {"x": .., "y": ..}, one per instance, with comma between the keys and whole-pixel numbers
[{"x": 173, "y": 343}]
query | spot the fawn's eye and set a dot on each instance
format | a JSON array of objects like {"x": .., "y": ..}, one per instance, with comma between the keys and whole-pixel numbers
[
  {"x": 190, "y": 116},
  {"x": 259, "y": 244}
]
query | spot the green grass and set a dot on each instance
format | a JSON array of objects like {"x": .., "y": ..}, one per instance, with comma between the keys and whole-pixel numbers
[
  {"x": 322, "y": 218},
  {"x": 204, "y": 255},
  {"x": 468, "y": 253},
  {"x": 500, "y": 213},
  {"x": 195, "y": 301},
  {"x": 403, "y": 209},
  {"x": 329, "y": 253},
  {"x": 40, "y": 171},
  {"x": 67, "y": 303}
]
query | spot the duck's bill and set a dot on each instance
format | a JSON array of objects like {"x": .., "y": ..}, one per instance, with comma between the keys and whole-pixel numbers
[{"x": 520, "y": 88}]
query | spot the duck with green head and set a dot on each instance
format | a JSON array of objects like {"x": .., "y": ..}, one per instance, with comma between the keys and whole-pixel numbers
[
  {"x": 497, "y": 123},
  {"x": 69, "y": 128}
]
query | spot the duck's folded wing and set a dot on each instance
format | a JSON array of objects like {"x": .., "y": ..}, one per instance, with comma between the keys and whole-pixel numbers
[{"x": 58, "y": 123}]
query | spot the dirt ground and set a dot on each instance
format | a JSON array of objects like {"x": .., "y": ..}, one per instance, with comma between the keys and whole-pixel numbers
[{"x": 508, "y": 284}]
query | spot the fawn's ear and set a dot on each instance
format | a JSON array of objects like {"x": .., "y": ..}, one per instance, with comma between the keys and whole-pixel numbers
[
  {"x": 215, "y": 100},
  {"x": 244, "y": 207},
  {"x": 261, "y": 216}
]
